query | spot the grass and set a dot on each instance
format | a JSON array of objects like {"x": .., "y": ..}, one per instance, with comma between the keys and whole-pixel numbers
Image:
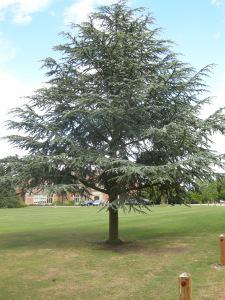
[{"x": 48, "y": 253}]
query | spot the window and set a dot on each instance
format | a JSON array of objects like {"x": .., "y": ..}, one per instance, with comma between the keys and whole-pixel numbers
[
  {"x": 49, "y": 199},
  {"x": 76, "y": 197}
]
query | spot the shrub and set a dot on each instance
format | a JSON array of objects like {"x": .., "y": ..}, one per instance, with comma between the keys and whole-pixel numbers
[
  {"x": 11, "y": 202},
  {"x": 64, "y": 203}
]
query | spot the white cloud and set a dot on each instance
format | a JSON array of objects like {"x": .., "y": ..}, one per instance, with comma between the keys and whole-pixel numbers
[
  {"x": 11, "y": 92},
  {"x": 217, "y": 36},
  {"x": 22, "y": 18},
  {"x": 7, "y": 50},
  {"x": 78, "y": 12},
  {"x": 217, "y": 102},
  {"x": 22, "y": 9},
  {"x": 217, "y": 2}
]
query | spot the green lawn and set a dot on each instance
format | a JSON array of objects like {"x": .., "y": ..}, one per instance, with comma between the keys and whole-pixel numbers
[{"x": 48, "y": 253}]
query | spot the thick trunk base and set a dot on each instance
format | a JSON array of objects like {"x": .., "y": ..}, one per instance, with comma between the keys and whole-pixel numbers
[
  {"x": 113, "y": 227},
  {"x": 114, "y": 242}
]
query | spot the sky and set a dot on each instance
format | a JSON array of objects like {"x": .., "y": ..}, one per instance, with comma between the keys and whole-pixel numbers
[{"x": 30, "y": 28}]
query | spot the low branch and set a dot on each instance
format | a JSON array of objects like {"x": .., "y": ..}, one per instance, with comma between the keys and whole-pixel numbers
[{"x": 92, "y": 186}]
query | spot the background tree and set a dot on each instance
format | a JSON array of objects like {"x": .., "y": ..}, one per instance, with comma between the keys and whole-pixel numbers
[
  {"x": 205, "y": 192},
  {"x": 9, "y": 195},
  {"x": 209, "y": 191},
  {"x": 220, "y": 179},
  {"x": 167, "y": 193},
  {"x": 119, "y": 113}
]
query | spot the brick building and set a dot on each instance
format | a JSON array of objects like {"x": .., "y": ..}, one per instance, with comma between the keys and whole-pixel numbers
[{"x": 40, "y": 198}]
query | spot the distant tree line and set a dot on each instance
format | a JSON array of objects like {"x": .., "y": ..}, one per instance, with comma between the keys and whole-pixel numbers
[
  {"x": 10, "y": 197},
  {"x": 212, "y": 191},
  {"x": 199, "y": 192}
]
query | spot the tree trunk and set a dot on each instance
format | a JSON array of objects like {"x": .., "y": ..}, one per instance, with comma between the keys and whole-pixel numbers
[{"x": 113, "y": 225}]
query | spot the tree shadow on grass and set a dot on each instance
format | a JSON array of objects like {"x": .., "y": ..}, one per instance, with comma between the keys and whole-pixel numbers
[
  {"x": 136, "y": 233},
  {"x": 51, "y": 238},
  {"x": 89, "y": 238},
  {"x": 135, "y": 246}
]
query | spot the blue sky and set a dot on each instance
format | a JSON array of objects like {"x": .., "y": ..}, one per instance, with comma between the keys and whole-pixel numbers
[{"x": 29, "y": 29}]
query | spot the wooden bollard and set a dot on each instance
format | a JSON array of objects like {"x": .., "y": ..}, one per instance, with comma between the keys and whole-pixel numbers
[
  {"x": 222, "y": 250},
  {"x": 185, "y": 289}
]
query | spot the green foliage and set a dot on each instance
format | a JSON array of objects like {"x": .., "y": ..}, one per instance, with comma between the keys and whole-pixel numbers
[
  {"x": 209, "y": 192},
  {"x": 206, "y": 192},
  {"x": 11, "y": 202},
  {"x": 221, "y": 186},
  {"x": 196, "y": 197},
  {"x": 172, "y": 193},
  {"x": 63, "y": 203},
  {"x": 8, "y": 196},
  {"x": 120, "y": 113}
]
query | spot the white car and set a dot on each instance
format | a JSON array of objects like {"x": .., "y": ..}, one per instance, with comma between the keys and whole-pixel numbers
[{"x": 97, "y": 203}]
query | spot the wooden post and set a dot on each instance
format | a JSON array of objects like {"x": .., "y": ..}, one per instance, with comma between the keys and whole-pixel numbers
[
  {"x": 185, "y": 289},
  {"x": 222, "y": 250}
]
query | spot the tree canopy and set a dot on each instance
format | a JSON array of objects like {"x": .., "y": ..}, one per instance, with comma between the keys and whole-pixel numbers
[
  {"x": 9, "y": 196},
  {"x": 206, "y": 191},
  {"x": 119, "y": 113}
]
